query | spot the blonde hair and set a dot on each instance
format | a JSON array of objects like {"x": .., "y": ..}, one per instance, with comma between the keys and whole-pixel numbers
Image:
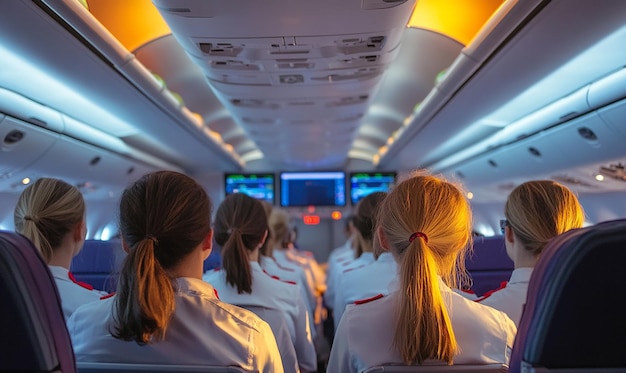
[
  {"x": 46, "y": 211},
  {"x": 164, "y": 216},
  {"x": 440, "y": 213},
  {"x": 539, "y": 210},
  {"x": 279, "y": 227}
]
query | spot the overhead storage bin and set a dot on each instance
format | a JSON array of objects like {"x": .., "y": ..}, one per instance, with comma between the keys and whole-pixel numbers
[
  {"x": 581, "y": 141},
  {"x": 21, "y": 145}
]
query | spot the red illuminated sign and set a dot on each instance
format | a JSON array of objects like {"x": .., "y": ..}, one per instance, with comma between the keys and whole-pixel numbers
[{"x": 311, "y": 219}]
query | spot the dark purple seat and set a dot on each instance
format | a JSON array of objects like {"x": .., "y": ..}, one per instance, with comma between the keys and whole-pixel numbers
[
  {"x": 574, "y": 319},
  {"x": 97, "y": 264},
  {"x": 489, "y": 265},
  {"x": 34, "y": 337}
]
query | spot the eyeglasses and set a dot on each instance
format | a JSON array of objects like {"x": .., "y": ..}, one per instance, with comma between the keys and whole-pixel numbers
[{"x": 503, "y": 224}]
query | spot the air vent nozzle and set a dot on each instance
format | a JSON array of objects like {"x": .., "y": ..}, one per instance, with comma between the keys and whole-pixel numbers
[{"x": 13, "y": 137}]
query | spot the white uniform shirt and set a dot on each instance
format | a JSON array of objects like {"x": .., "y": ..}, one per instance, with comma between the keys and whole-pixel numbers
[
  {"x": 512, "y": 297},
  {"x": 365, "y": 335},
  {"x": 364, "y": 282},
  {"x": 340, "y": 251},
  {"x": 202, "y": 331},
  {"x": 306, "y": 259},
  {"x": 364, "y": 259},
  {"x": 73, "y": 295},
  {"x": 281, "y": 257},
  {"x": 273, "y": 294},
  {"x": 334, "y": 265},
  {"x": 290, "y": 273}
]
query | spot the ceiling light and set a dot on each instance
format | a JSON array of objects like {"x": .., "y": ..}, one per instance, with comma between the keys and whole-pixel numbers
[
  {"x": 459, "y": 20},
  {"x": 600, "y": 177},
  {"x": 26, "y": 181}
]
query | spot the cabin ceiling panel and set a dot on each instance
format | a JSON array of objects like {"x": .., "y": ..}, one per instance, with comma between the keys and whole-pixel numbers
[
  {"x": 227, "y": 128},
  {"x": 166, "y": 58},
  {"x": 277, "y": 18},
  {"x": 423, "y": 54},
  {"x": 285, "y": 76}
]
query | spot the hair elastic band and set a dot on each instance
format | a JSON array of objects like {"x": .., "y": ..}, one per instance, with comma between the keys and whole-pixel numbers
[
  {"x": 151, "y": 238},
  {"x": 418, "y": 234},
  {"x": 28, "y": 217}
]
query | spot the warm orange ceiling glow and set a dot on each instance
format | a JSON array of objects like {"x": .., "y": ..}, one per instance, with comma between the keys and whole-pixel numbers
[
  {"x": 458, "y": 19},
  {"x": 133, "y": 22}
]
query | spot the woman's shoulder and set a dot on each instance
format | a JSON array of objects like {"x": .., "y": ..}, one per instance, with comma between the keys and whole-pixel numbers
[
  {"x": 480, "y": 315},
  {"x": 213, "y": 275},
  {"x": 92, "y": 312},
  {"x": 275, "y": 285},
  {"x": 373, "y": 309},
  {"x": 206, "y": 300}
]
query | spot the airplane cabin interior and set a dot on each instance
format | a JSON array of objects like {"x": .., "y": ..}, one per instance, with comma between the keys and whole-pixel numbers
[{"x": 310, "y": 106}]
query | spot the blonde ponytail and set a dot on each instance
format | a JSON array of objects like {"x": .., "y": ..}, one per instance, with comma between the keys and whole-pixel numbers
[
  {"x": 426, "y": 222},
  {"x": 32, "y": 232},
  {"x": 423, "y": 329}
]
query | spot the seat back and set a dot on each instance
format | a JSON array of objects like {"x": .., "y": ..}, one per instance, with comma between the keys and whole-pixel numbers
[
  {"x": 98, "y": 263},
  {"x": 574, "y": 319},
  {"x": 84, "y": 367},
  {"x": 34, "y": 337},
  {"x": 277, "y": 323},
  {"x": 487, "y": 368},
  {"x": 489, "y": 265}
]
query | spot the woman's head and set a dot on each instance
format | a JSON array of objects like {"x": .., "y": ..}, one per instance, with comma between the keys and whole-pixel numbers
[
  {"x": 435, "y": 207},
  {"x": 426, "y": 223},
  {"x": 164, "y": 216},
  {"x": 364, "y": 219},
  {"x": 539, "y": 210},
  {"x": 167, "y": 210},
  {"x": 240, "y": 227},
  {"x": 280, "y": 227},
  {"x": 47, "y": 211}
]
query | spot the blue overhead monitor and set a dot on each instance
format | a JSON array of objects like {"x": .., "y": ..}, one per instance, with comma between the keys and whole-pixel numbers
[
  {"x": 313, "y": 188},
  {"x": 259, "y": 185},
  {"x": 364, "y": 183}
]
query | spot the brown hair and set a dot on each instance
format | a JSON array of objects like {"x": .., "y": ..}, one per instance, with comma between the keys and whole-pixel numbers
[
  {"x": 164, "y": 216},
  {"x": 268, "y": 246},
  {"x": 240, "y": 223},
  {"x": 539, "y": 210},
  {"x": 439, "y": 211},
  {"x": 46, "y": 211},
  {"x": 364, "y": 220}
]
